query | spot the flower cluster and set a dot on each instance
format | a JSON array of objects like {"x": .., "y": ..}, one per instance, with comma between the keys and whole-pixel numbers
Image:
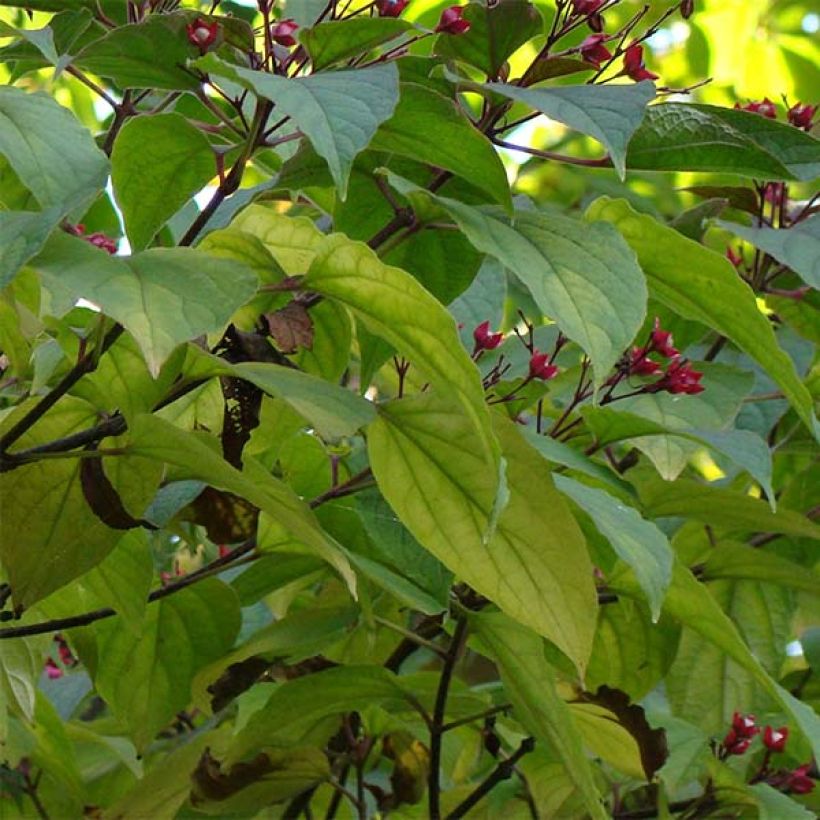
[
  {"x": 679, "y": 376},
  {"x": 740, "y": 736},
  {"x": 53, "y": 669},
  {"x": 800, "y": 115}
]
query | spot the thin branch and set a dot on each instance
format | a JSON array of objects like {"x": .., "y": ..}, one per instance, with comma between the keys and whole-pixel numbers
[
  {"x": 454, "y": 724},
  {"x": 601, "y": 162}
]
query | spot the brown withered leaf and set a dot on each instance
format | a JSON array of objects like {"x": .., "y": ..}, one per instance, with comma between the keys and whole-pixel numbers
[
  {"x": 291, "y": 327},
  {"x": 226, "y": 517},
  {"x": 212, "y": 784},
  {"x": 235, "y": 680},
  {"x": 411, "y": 766},
  {"x": 651, "y": 742}
]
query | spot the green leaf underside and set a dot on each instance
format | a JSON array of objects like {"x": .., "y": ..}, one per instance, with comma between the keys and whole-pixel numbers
[
  {"x": 535, "y": 567},
  {"x": 157, "y": 165},
  {"x": 22, "y": 235},
  {"x": 798, "y": 247},
  {"x": 702, "y": 285},
  {"x": 638, "y": 542},
  {"x": 681, "y": 137},
  {"x": 529, "y": 681},
  {"x": 163, "y": 296},
  {"x": 338, "y": 111}
]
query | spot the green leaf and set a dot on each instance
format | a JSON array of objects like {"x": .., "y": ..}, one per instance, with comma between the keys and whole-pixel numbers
[
  {"x": 157, "y": 439},
  {"x": 582, "y": 276},
  {"x": 338, "y": 111},
  {"x": 146, "y": 677},
  {"x": 798, "y": 247},
  {"x": 610, "y": 114},
  {"x": 701, "y": 285},
  {"x": 297, "y": 706},
  {"x": 396, "y": 307},
  {"x": 53, "y": 155},
  {"x": 57, "y": 536},
  {"x": 681, "y": 137},
  {"x": 774, "y": 805},
  {"x": 163, "y": 296},
  {"x": 723, "y": 508},
  {"x": 530, "y": 683},
  {"x": 21, "y": 662},
  {"x": 150, "y": 54},
  {"x": 23, "y": 234},
  {"x": 496, "y": 31},
  {"x": 638, "y": 542},
  {"x": 691, "y": 603},
  {"x": 427, "y": 461},
  {"x": 335, "y": 41},
  {"x": 157, "y": 165},
  {"x": 742, "y": 562},
  {"x": 429, "y": 127}
]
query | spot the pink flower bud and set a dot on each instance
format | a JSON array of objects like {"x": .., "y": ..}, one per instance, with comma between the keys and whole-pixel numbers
[
  {"x": 594, "y": 51},
  {"x": 799, "y": 781},
  {"x": 391, "y": 8},
  {"x": 634, "y": 66},
  {"x": 765, "y": 108},
  {"x": 540, "y": 367},
  {"x": 484, "y": 339},
  {"x": 52, "y": 670},
  {"x": 100, "y": 240},
  {"x": 201, "y": 33},
  {"x": 662, "y": 341},
  {"x": 775, "y": 739},
  {"x": 451, "y": 21},
  {"x": 283, "y": 31},
  {"x": 801, "y": 115},
  {"x": 224, "y": 550}
]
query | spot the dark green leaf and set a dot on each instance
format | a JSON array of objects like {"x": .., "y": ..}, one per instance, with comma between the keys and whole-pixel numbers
[{"x": 335, "y": 41}]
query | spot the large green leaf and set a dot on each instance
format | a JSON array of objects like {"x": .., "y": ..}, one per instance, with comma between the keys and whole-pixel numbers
[
  {"x": 163, "y": 296},
  {"x": 427, "y": 460},
  {"x": 338, "y": 111},
  {"x": 496, "y": 31},
  {"x": 396, "y": 307},
  {"x": 338, "y": 40},
  {"x": 57, "y": 537},
  {"x": 702, "y": 285},
  {"x": 582, "y": 276},
  {"x": 692, "y": 604},
  {"x": 150, "y": 54},
  {"x": 157, "y": 439},
  {"x": 798, "y": 246},
  {"x": 145, "y": 677},
  {"x": 610, "y": 114},
  {"x": 22, "y": 234},
  {"x": 429, "y": 127},
  {"x": 680, "y": 137},
  {"x": 638, "y": 542},
  {"x": 157, "y": 165},
  {"x": 21, "y": 662},
  {"x": 53, "y": 155},
  {"x": 530, "y": 684}
]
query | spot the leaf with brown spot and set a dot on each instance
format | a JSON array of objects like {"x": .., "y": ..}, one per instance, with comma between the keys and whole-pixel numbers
[
  {"x": 291, "y": 327},
  {"x": 228, "y": 518}
]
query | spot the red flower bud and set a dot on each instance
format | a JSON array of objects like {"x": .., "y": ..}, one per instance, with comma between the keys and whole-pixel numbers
[
  {"x": 283, "y": 31},
  {"x": 201, "y": 33},
  {"x": 451, "y": 21},
  {"x": 775, "y": 739},
  {"x": 224, "y": 550},
  {"x": 52, "y": 670},
  {"x": 735, "y": 258},
  {"x": 100, "y": 240},
  {"x": 662, "y": 341},
  {"x": 596, "y": 21},
  {"x": 801, "y": 115},
  {"x": 586, "y": 6},
  {"x": 634, "y": 66},
  {"x": 484, "y": 339},
  {"x": 391, "y": 8},
  {"x": 799, "y": 781},
  {"x": 641, "y": 365},
  {"x": 686, "y": 8},
  {"x": 744, "y": 725},
  {"x": 540, "y": 367},
  {"x": 775, "y": 192},
  {"x": 594, "y": 51},
  {"x": 765, "y": 108},
  {"x": 739, "y": 747}
]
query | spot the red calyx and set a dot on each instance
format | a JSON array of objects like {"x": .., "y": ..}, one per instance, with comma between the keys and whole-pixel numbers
[
  {"x": 662, "y": 341},
  {"x": 745, "y": 726},
  {"x": 641, "y": 365},
  {"x": 540, "y": 367},
  {"x": 799, "y": 781},
  {"x": 391, "y": 8},
  {"x": 634, "y": 66},
  {"x": 486, "y": 340},
  {"x": 201, "y": 33},
  {"x": 801, "y": 115},
  {"x": 586, "y": 6},
  {"x": 452, "y": 22},
  {"x": 681, "y": 378},
  {"x": 765, "y": 108},
  {"x": 100, "y": 240},
  {"x": 735, "y": 258},
  {"x": 775, "y": 739},
  {"x": 283, "y": 31},
  {"x": 594, "y": 51}
]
